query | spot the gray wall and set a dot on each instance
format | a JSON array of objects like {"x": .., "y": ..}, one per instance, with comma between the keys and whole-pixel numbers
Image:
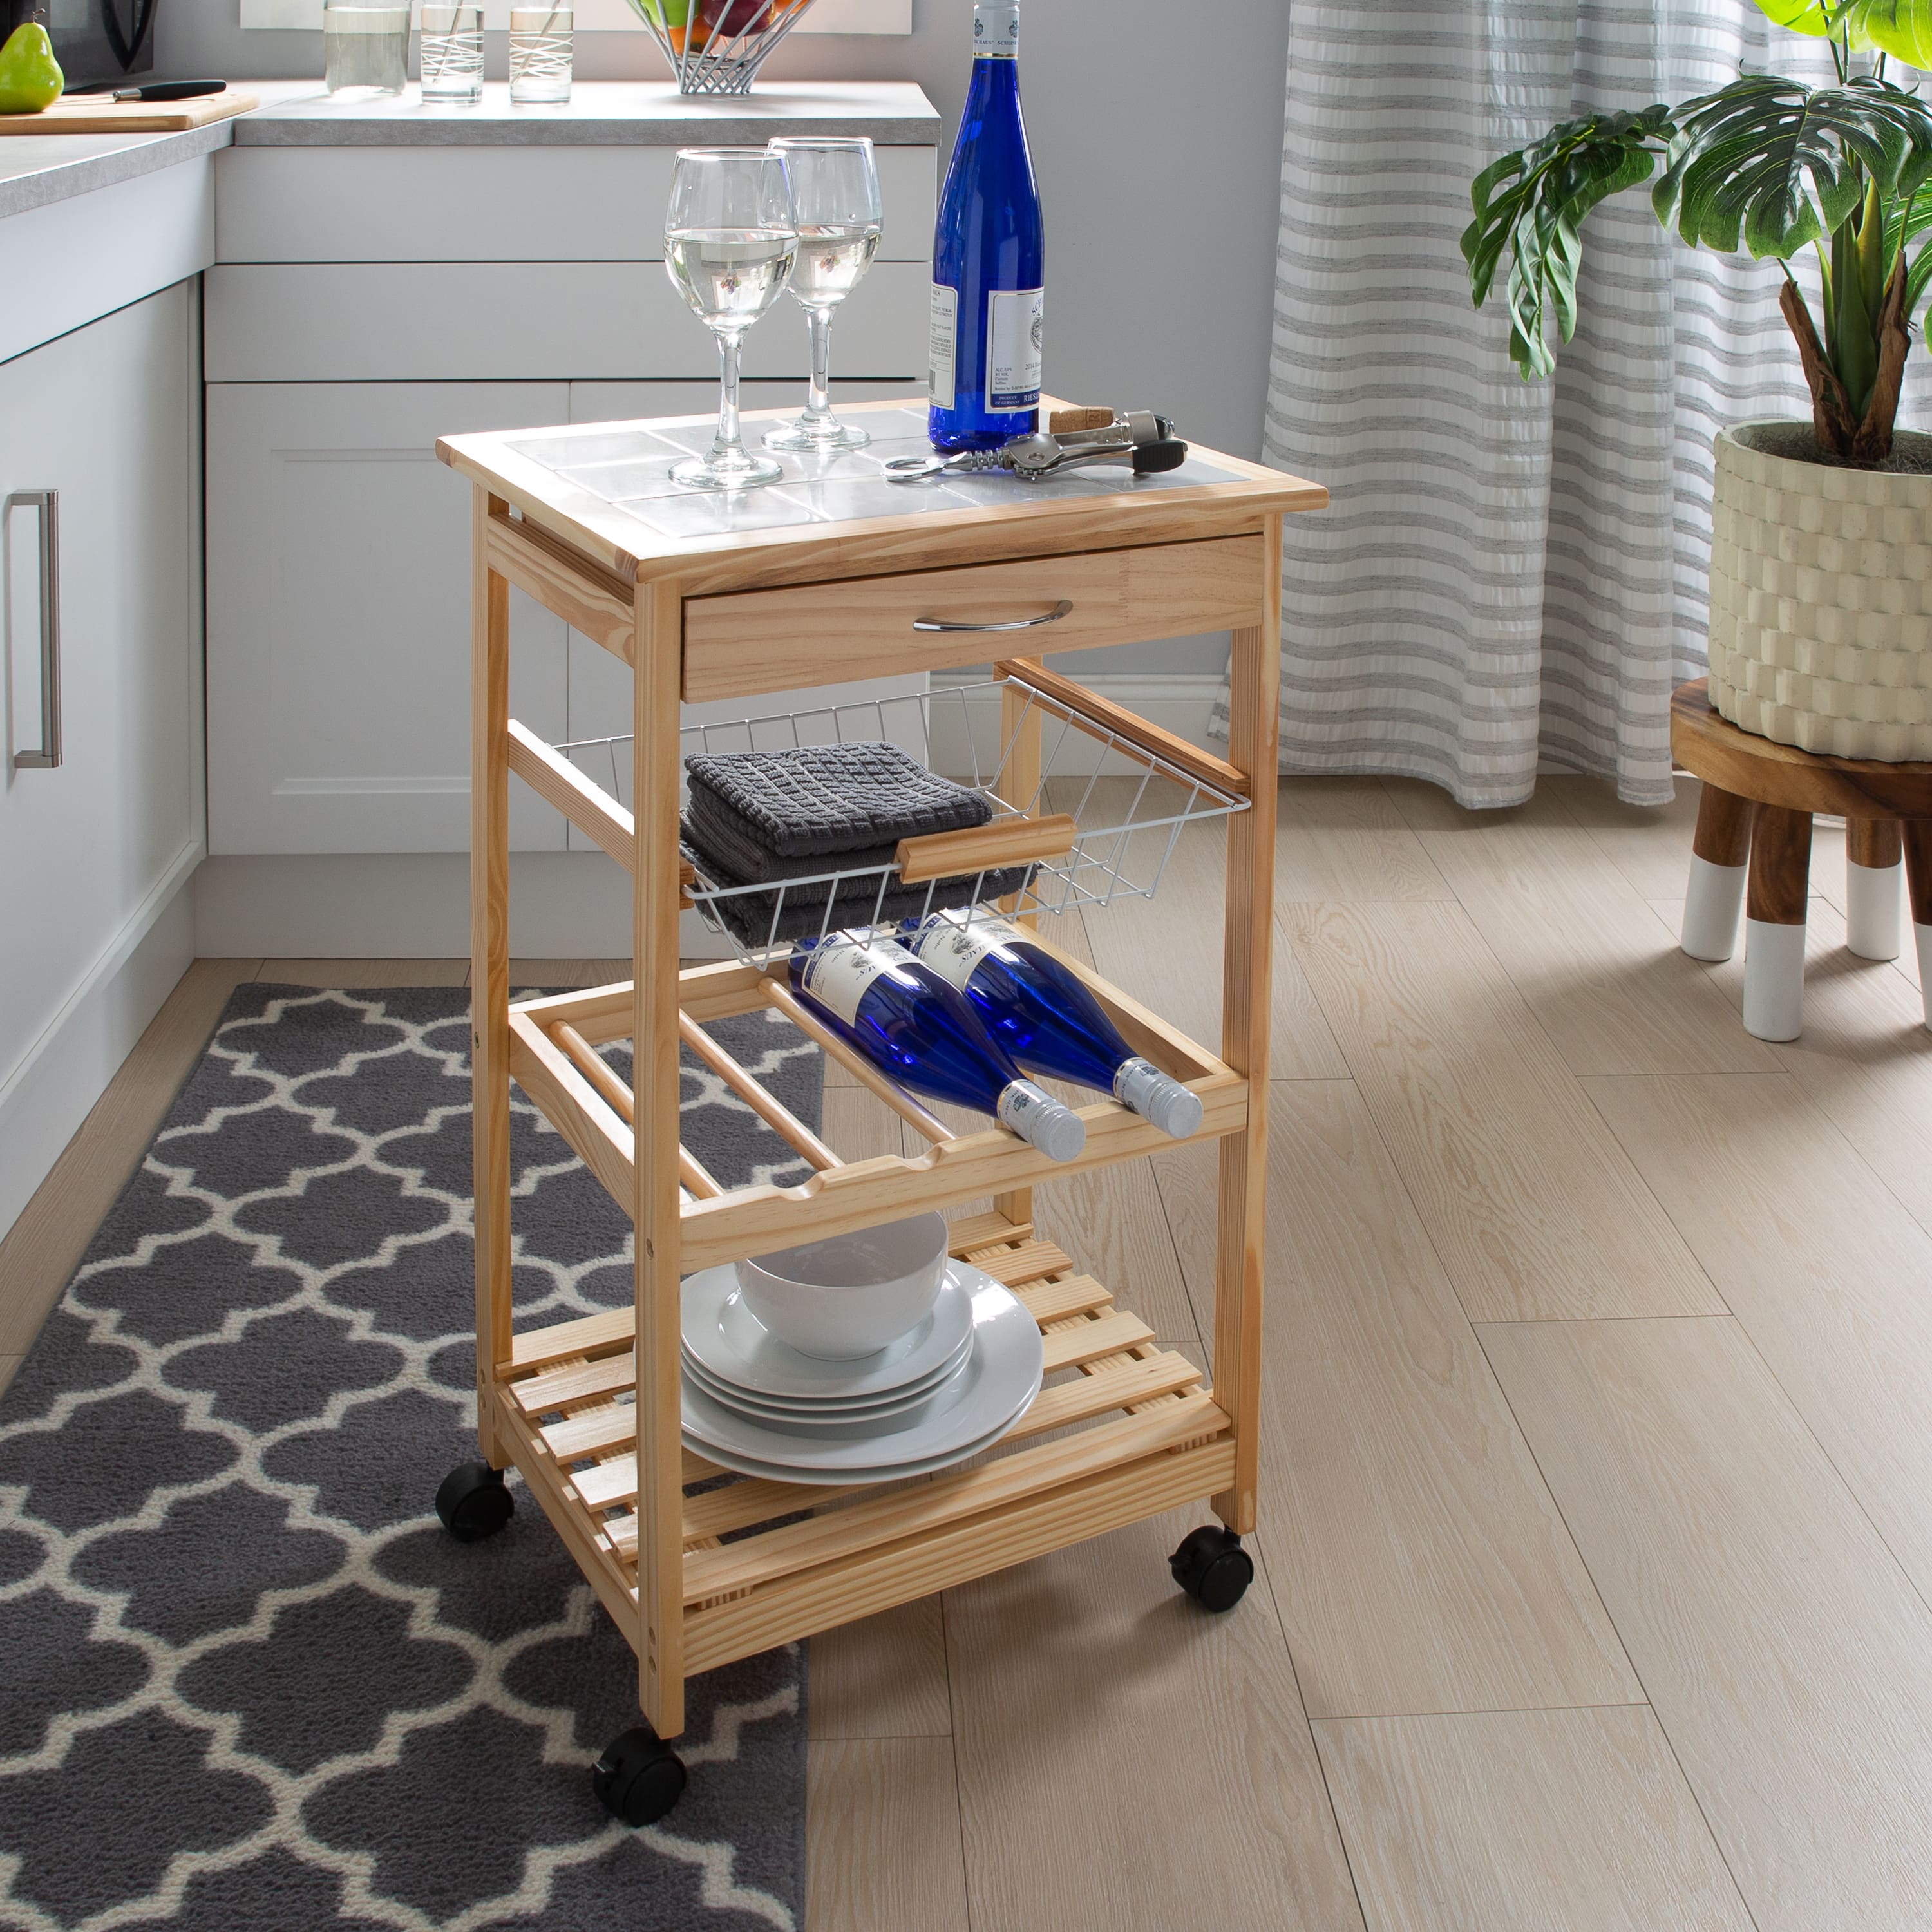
[{"x": 1158, "y": 154}]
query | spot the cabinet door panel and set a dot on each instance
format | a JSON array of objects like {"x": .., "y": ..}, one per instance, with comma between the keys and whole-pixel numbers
[
  {"x": 103, "y": 415},
  {"x": 338, "y": 640}
]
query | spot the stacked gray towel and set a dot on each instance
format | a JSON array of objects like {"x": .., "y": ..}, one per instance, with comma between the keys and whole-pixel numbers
[{"x": 764, "y": 817}]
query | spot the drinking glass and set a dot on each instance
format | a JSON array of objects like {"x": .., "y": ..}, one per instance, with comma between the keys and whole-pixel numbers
[
  {"x": 835, "y": 188},
  {"x": 450, "y": 57},
  {"x": 730, "y": 236},
  {"x": 539, "y": 54},
  {"x": 365, "y": 50}
]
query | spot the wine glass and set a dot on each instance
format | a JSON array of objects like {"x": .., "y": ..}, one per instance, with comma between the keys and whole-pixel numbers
[
  {"x": 730, "y": 237},
  {"x": 835, "y": 189}
]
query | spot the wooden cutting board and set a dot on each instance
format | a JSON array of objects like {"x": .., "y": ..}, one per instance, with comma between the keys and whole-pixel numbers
[{"x": 96, "y": 114}]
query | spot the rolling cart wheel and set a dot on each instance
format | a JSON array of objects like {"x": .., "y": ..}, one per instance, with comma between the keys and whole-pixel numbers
[
  {"x": 1211, "y": 1566},
  {"x": 473, "y": 1502},
  {"x": 639, "y": 1778}
]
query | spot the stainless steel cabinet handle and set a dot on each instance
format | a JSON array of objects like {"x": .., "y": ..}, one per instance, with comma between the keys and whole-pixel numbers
[
  {"x": 1062, "y": 609},
  {"x": 47, "y": 503}
]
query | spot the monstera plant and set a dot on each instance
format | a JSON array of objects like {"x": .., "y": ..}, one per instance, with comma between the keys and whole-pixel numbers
[{"x": 1802, "y": 648}]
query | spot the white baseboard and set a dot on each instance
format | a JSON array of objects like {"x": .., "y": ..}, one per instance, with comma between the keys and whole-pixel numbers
[
  {"x": 563, "y": 905},
  {"x": 55, "y": 1085}
]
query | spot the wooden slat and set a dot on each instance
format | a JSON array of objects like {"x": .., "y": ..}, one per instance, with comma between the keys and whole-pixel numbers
[
  {"x": 720, "y": 992},
  {"x": 597, "y": 1070},
  {"x": 834, "y": 1594},
  {"x": 755, "y": 1220},
  {"x": 600, "y": 1013},
  {"x": 984, "y": 848},
  {"x": 840, "y": 1533},
  {"x": 983, "y": 1231},
  {"x": 1089, "y": 1341},
  {"x": 595, "y": 1431},
  {"x": 587, "y": 806},
  {"x": 774, "y": 1115},
  {"x": 563, "y": 579},
  {"x": 588, "y": 1335},
  {"x": 1100, "y": 717},
  {"x": 590, "y": 1550},
  {"x": 596, "y": 1134},
  {"x": 1011, "y": 1266},
  {"x": 1048, "y": 1301},
  {"x": 584, "y": 1381}
]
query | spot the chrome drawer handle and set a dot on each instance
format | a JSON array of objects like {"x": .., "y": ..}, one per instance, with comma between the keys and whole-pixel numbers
[
  {"x": 1060, "y": 610},
  {"x": 47, "y": 502}
]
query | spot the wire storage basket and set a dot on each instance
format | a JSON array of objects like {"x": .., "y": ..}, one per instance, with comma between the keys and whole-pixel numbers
[
  {"x": 717, "y": 46},
  {"x": 1128, "y": 807}
]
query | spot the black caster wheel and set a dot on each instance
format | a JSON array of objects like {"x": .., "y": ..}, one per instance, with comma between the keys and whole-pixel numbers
[
  {"x": 1211, "y": 1566},
  {"x": 639, "y": 1778},
  {"x": 473, "y": 1502}
]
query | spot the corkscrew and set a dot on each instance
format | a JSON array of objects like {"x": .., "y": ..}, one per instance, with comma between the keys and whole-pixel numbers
[{"x": 1073, "y": 439}]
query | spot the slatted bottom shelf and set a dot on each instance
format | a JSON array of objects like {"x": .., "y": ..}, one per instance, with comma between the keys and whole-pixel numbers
[{"x": 1142, "y": 1434}]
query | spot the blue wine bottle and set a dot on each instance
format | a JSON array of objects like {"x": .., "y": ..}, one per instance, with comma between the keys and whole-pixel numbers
[
  {"x": 1046, "y": 1020},
  {"x": 988, "y": 257},
  {"x": 910, "y": 1024}
]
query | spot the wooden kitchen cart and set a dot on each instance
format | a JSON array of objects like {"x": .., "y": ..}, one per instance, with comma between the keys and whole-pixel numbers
[{"x": 800, "y": 585}]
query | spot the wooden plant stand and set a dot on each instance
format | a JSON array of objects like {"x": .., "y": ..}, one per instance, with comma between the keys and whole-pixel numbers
[
  {"x": 588, "y": 1410},
  {"x": 1759, "y": 798}
]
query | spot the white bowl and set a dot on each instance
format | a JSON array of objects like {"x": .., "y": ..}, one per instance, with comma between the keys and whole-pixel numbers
[{"x": 850, "y": 1296}]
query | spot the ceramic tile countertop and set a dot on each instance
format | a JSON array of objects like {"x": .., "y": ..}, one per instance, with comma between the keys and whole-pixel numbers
[{"x": 36, "y": 169}]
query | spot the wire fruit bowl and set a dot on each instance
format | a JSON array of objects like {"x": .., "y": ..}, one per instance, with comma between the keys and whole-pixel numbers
[
  {"x": 717, "y": 46},
  {"x": 1129, "y": 806}
]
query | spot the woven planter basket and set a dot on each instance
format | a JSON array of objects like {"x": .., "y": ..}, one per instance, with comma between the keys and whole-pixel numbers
[{"x": 1821, "y": 599}]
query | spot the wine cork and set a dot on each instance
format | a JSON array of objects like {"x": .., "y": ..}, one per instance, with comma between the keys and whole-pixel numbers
[{"x": 1061, "y": 421}]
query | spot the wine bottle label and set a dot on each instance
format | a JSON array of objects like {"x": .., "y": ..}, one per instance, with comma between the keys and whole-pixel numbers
[
  {"x": 840, "y": 969},
  {"x": 1016, "y": 342},
  {"x": 943, "y": 345},
  {"x": 996, "y": 30},
  {"x": 953, "y": 945}
]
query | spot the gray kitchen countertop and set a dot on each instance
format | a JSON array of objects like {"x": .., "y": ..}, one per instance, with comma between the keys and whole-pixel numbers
[{"x": 37, "y": 168}]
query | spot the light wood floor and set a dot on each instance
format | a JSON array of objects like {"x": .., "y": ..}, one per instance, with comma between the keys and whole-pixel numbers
[{"x": 1595, "y": 1557}]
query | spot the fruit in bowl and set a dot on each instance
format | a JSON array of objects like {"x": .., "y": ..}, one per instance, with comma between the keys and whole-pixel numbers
[{"x": 30, "y": 77}]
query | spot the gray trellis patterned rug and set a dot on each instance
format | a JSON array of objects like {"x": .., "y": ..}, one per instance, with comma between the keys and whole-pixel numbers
[{"x": 246, "y": 1680}]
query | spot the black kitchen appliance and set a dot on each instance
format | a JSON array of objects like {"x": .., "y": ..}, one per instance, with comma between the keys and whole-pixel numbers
[{"x": 94, "y": 41}]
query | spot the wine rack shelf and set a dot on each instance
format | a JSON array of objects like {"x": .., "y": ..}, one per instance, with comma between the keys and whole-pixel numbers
[
  {"x": 554, "y": 1058},
  {"x": 697, "y": 1567}
]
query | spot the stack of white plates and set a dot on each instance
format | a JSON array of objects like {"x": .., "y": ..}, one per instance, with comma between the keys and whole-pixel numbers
[{"x": 952, "y": 1387}]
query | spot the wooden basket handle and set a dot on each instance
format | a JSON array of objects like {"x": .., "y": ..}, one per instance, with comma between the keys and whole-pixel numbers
[{"x": 985, "y": 848}]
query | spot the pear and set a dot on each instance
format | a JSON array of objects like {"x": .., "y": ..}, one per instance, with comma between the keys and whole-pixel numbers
[{"x": 30, "y": 76}]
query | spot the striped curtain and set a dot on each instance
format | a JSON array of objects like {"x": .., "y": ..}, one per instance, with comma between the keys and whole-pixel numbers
[{"x": 1510, "y": 577}]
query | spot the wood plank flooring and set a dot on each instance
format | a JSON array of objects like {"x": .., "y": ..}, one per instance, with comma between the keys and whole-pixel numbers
[{"x": 1593, "y": 1565}]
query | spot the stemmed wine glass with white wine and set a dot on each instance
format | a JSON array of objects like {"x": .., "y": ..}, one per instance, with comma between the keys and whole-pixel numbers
[
  {"x": 730, "y": 238},
  {"x": 835, "y": 189}
]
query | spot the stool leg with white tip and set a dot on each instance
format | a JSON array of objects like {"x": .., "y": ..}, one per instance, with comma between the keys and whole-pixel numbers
[
  {"x": 1716, "y": 887},
  {"x": 1873, "y": 847},
  {"x": 1780, "y": 872},
  {"x": 1918, "y": 882}
]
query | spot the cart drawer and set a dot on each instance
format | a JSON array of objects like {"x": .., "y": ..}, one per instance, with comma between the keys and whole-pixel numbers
[{"x": 759, "y": 641}]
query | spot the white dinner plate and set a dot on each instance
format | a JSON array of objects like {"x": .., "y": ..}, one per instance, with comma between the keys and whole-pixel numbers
[
  {"x": 890, "y": 1472},
  {"x": 864, "y": 1408},
  {"x": 726, "y": 1340},
  {"x": 1000, "y": 1379},
  {"x": 867, "y": 1426}
]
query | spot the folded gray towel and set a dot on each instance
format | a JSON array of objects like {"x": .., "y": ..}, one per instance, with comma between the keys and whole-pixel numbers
[
  {"x": 814, "y": 800},
  {"x": 750, "y": 861},
  {"x": 749, "y": 916}
]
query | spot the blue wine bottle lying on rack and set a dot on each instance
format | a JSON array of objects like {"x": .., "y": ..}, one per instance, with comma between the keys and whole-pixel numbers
[
  {"x": 1046, "y": 1020},
  {"x": 911, "y": 1025}
]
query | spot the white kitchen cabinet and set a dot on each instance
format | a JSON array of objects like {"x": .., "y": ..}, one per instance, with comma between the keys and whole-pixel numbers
[
  {"x": 338, "y": 643},
  {"x": 94, "y": 851}
]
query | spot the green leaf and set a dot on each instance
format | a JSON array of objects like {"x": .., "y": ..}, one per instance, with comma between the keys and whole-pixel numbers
[
  {"x": 1531, "y": 205},
  {"x": 1776, "y": 165},
  {"x": 1900, "y": 28},
  {"x": 1814, "y": 17}
]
